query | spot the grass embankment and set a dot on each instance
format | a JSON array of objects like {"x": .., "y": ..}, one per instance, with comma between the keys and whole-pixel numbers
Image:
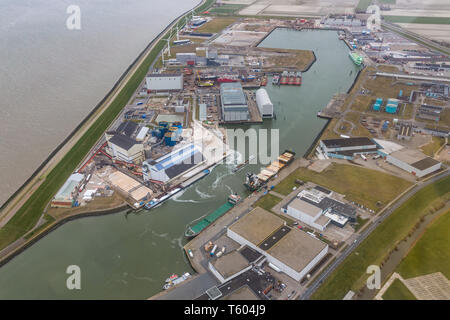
[
  {"x": 359, "y": 184},
  {"x": 431, "y": 253},
  {"x": 420, "y": 20},
  {"x": 431, "y": 148},
  {"x": 351, "y": 274},
  {"x": 28, "y": 215},
  {"x": 398, "y": 291},
  {"x": 217, "y": 24}
]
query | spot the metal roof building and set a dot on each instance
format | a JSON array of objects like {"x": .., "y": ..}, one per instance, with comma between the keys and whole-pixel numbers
[
  {"x": 233, "y": 102},
  {"x": 173, "y": 164},
  {"x": 265, "y": 106}
]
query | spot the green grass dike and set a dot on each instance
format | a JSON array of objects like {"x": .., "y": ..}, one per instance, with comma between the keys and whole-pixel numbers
[
  {"x": 398, "y": 291},
  {"x": 27, "y": 216},
  {"x": 351, "y": 274}
]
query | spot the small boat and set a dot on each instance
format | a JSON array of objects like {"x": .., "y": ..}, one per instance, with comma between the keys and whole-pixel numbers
[
  {"x": 169, "y": 284},
  {"x": 172, "y": 277}
]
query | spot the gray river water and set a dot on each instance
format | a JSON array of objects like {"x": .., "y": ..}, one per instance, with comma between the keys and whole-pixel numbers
[
  {"x": 51, "y": 77},
  {"x": 128, "y": 256}
]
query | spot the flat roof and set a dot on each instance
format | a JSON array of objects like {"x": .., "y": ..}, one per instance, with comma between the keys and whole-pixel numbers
[
  {"x": 407, "y": 155},
  {"x": 297, "y": 249},
  {"x": 230, "y": 263},
  {"x": 243, "y": 293},
  {"x": 163, "y": 75},
  {"x": 232, "y": 94},
  {"x": 425, "y": 163},
  {"x": 270, "y": 241},
  {"x": 257, "y": 225},
  {"x": 250, "y": 254},
  {"x": 123, "y": 142},
  {"x": 305, "y": 207},
  {"x": 127, "y": 128},
  {"x": 348, "y": 142}
]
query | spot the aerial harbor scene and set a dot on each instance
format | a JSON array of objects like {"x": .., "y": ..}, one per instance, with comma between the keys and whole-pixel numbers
[{"x": 225, "y": 150}]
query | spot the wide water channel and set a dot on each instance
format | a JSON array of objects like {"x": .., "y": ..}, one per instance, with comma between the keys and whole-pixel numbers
[{"x": 128, "y": 256}]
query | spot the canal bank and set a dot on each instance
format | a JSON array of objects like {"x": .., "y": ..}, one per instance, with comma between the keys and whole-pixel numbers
[{"x": 129, "y": 256}]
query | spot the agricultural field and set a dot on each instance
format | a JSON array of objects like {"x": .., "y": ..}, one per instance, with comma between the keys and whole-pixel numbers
[
  {"x": 217, "y": 24},
  {"x": 357, "y": 183}
]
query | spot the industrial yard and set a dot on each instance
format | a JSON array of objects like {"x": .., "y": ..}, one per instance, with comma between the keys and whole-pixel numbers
[{"x": 298, "y": 213}]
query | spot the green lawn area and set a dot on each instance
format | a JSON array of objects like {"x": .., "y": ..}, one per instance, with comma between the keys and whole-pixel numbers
[
  {"x": 28, "y": 215},
  {"x": 421, "y": 20},
  {"x": 359, "y": 184},
  {"x": 431, "y": 148},
  {"x": 351, "y": 274},
  {"x": 360, "y": 223},
  {"x": 217, "y": 24},
  {"x": 267, "y": 202},
  {"x": 431, "y": 253},
  {"x": 398, "y": 291}
]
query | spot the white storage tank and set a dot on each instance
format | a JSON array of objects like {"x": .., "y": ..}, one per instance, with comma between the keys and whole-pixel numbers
[{"x": 265, "y": 106}]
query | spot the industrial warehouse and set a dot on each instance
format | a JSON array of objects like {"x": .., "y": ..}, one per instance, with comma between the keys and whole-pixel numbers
[
  {"x": 317, "y": 208},
  {"x": 292, "y": 251},
  {"x": 347, "y": 148}
]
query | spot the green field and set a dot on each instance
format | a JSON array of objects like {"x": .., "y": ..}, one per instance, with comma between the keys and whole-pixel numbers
[
  {"x": 421, "y": 20},
  {"x": 351, "y": 274},
  {"x": 398, "y": 291},
  {"x": 358, "y": 184},
  {"x": 431, "y": 253},
  {"x": 267, "y": 202},
  {"x": 431, "y": 148},
  {"x": 217, "y": 24},
  {"x": 28, "y": 215},
  {"x": 227, "y": 9},
  {"x": 363, "y": 4}
]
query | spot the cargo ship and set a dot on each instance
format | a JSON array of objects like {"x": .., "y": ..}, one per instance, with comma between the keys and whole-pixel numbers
[
  {"x": 158, "y": 201},
  {"x": 226, "y": 78},
  {"x": 357, "y": 59},
  {"x": 254, "y": 182},
  {"x": 194, "y": 230},
  {"x": 291, "y": 79},
  {"x": 240, "y": 166}
]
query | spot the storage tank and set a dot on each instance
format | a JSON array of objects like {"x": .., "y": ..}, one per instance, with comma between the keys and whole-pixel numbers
[
  {"x": 213, "y": 250},
  {"x": 274, "y": 267},
  {"x": 168, "y": 141}
]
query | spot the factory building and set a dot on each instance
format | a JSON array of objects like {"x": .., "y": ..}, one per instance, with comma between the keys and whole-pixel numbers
[
  {"x": 316, "y": 208},
  {"x": 174, "y": 164},
  {"x": 233, "y": 102},
  {"x": 64, "y": 198},
  {"x": 292, "y": 251},
  {"x": 265, "y": 106},
  {"x": 124, "y": 148},
  {"x": 347, "y": 148},
  {"x": 410, "y": 160},
  {"x": 164, "y": 82}
]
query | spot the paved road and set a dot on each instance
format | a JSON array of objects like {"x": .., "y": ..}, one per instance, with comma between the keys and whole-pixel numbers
[
  {"x": 308, "y": 293},
  {"x": 191, "y": 289}
]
